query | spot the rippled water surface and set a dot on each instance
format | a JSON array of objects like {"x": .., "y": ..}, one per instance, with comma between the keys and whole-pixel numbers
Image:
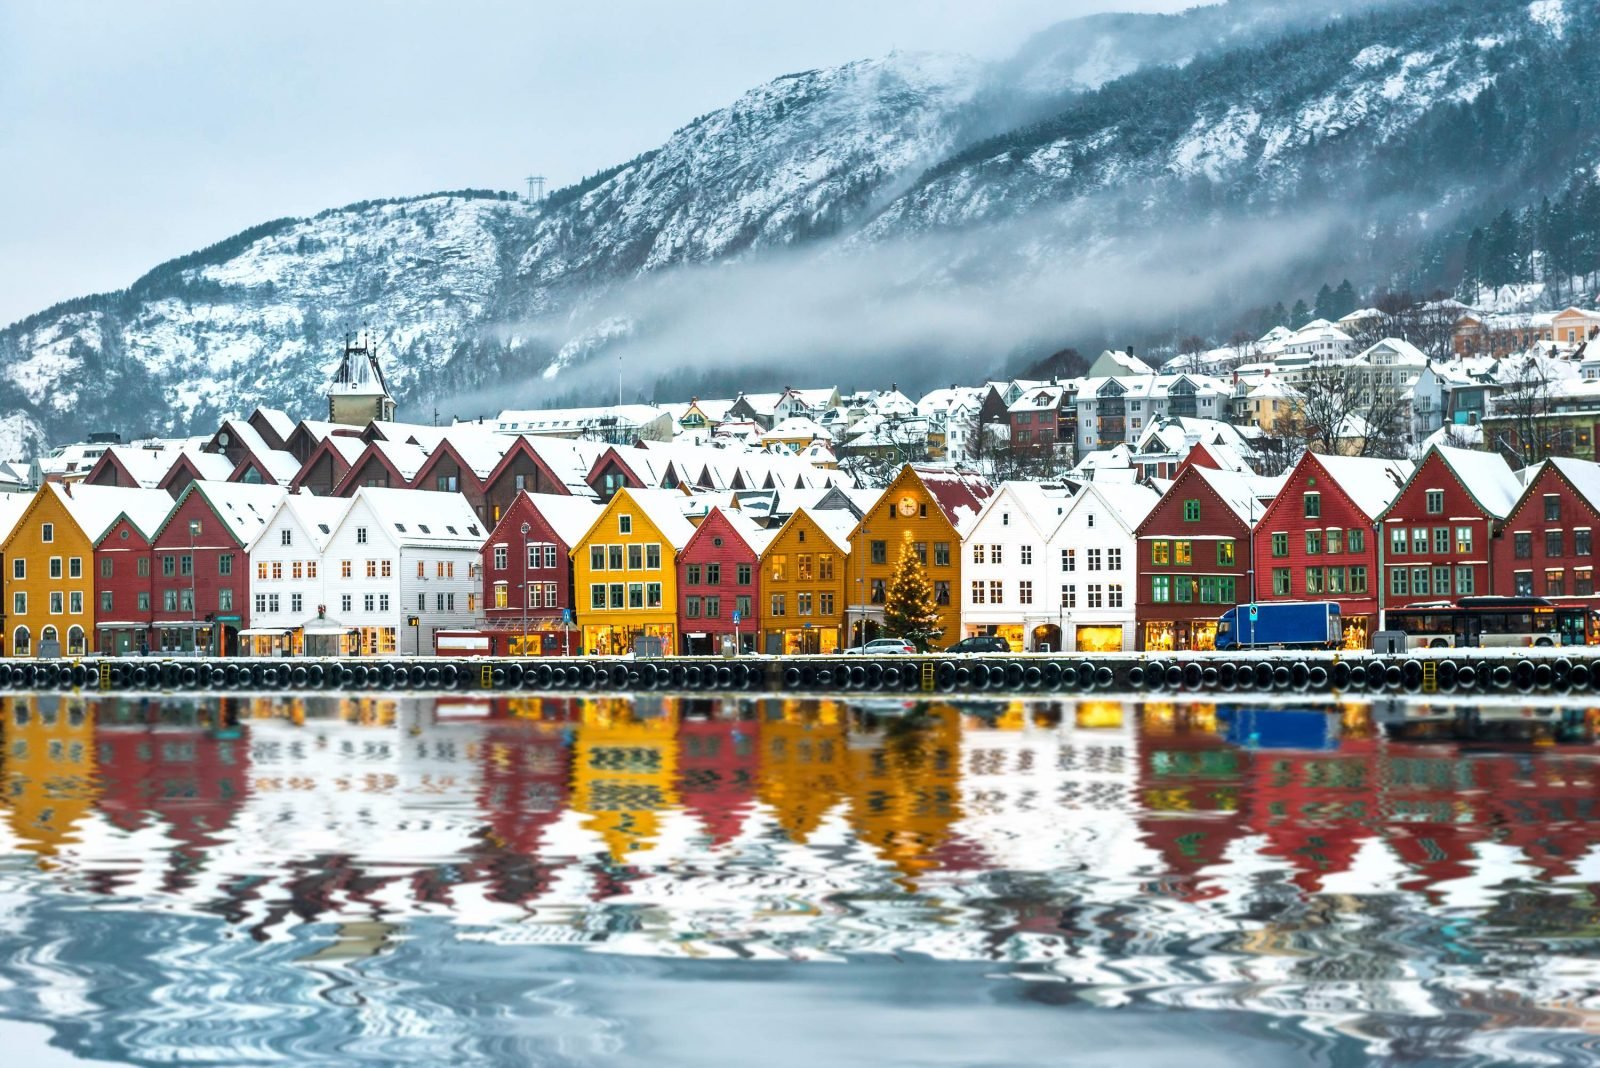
[{"x": 777, "y": 882}]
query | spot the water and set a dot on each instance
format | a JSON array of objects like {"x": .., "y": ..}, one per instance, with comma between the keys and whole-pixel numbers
[{"x": 565, "y": 881}]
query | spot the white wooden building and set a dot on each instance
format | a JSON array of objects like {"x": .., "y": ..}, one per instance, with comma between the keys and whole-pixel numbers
[
  {"x": 288, "y": 576},
  {"x": 1092, "y": 565},
  {"x": 1004, "y": 578},
  {"x": 399, "y": 555}
]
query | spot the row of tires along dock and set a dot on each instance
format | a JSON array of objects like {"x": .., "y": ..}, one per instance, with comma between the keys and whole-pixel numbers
[{"x": 999, "y": 675}]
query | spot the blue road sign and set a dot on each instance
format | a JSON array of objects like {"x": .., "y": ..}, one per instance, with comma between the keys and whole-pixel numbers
[{"x": 736, "y": 617}]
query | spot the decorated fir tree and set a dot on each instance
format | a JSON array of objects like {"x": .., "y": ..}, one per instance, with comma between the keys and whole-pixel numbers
[{"x": 909, "y": 610}]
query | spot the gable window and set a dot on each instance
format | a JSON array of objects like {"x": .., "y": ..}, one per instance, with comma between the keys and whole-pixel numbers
[
  {"x": 1280, "y": 543},
  {"x": 1434, "y": 502},
  {"x": 361, "y": 536},
  {"x": 1552, "y": 508},
  {"x": 1313, "y": 505},
  {"x": 1191, "y": 510},
  {"x": 624, "y": 524},
  {"x": 47, "y": 532}
]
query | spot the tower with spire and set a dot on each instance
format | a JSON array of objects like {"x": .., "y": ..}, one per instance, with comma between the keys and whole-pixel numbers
[{"x": 358, "y": 394}]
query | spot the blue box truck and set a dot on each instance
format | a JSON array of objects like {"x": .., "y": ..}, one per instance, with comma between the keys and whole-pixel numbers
[{"x": 1281, "y": 625}]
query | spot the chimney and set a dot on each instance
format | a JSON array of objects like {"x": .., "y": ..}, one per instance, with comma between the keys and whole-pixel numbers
[{"x": 1130, "y": 350}]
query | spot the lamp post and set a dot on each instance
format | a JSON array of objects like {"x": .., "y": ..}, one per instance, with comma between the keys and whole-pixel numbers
[
  {"x": 194, "y": 567},
  {"x": 525, "y": 529}
]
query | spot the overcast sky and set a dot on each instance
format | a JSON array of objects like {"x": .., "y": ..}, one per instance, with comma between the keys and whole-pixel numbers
[{"x": 132, "y": 132}]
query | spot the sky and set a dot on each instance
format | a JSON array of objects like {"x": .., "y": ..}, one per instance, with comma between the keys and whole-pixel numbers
[{"x": 135, "y": 132}]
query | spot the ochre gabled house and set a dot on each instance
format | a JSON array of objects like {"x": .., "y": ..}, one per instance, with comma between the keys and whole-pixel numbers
[
  {"x": 625, "y": 571},
  {"x": 928, "y": 508}
]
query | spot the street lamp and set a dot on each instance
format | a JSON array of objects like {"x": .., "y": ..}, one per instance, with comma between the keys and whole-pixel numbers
[
  {"x": 525, "y": 529},
  {"x": 194, "y": 605}
]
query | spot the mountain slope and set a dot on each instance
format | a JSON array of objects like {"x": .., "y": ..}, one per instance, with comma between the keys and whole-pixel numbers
[{"x": 923, "y": 216}]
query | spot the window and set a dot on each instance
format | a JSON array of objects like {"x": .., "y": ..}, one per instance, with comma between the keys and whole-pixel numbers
[
  {"x": 47, "y": 532},
  {"x": 225, "y": 565},
  {"x": 614, "y": 555},
  {"x": 624, "y": 524},
  {"x": 1280, "y": 544},
  {"x": 549, "y": 555},
  {"x": 345, "y": 571},
  {"x": 978, "y": 591},
  {"x": 1441, "y": 540},
  {"x": 1069, "y": 558},
  {"x": 619, "y": 595},
  {"x": 597, "y": 557},
  {"x": 502, "y": 557},
  {"x": 1522, "y": 584},
  {"x": 1398, "y": 545},
  {"x": 1096, "y": 596},
  {"x": 1025, "y": 592},
  {"x": 1092, "y": 560},
  {"x": 1555, "y": 582},
  {"x": 652, "y": 557},
  {"x": 1398, "y": 584},
  {"x": 713, "y": 574},
  {"x": 1313, "y": 580},
  {"x": 802, "y": 604},
  {"x": 878, "y": 591},
  {"x": 691, "y": 608},
  {"x": 144, "y": 600},
  {"x": 1552, "y": 542},
  {"x": 361, "y": 535},
  {"x": 1113, "y": 559},
  {"x": 1089, "y": 520},
  {"x": 1334, "y": 540},
  {"x": 422, "y": 600},
  {"x": 55, "y": 567},
  {"x": 1191, "y": 510},
  {"x": 1183, "y": 553},
  {"x": 1522, "y": 545},
  {"x": 1463, "y": 539},
  {"x": 652, "y": 595},
  {"x": 1552, "y": 508},
  {"x": 597, "y": 595},
  {"x": 778, "y": 606},
  {"x": 261, "y": 603},
  {"x": 1357, "y": 541},
  {"x": 1581, "y": 543},
  {"x": 105, "y": 567},
  {"x": 714, "y": 608},
  {"x": 1583, "y": 582},
  {"x": 1225, "y": 554},
  {"x": 1069, "y": 594},
  {"x": 57, "y": 605},
  {"x": 977, "y": 553},
  {"x": 1419, "y": 540},
  {"x": 1358, "y": 579},
  {"x": 996, "y": 554},
  {"x": 997, "y": 591},
  {"x": 225, "y": 599},
  {"x": 285, "y": 537},
  {"x": 1280, "y": 582},
  {"x": 1419, "y": 581},
  {"x": 75, "y": 567},
  {"x": 691, "y": 575},
  {"x": 311, "y": 569},
  {"x": 941, "y": 556},
  {"x": 1434, "y": 502},
  {"x": 1114, "y": 595},
  {"x": 297, "y": 602},
  {"x": 880, "y": 552},
  {"x": 105, "y": 600},
  {"x": 19, "y": 568},
  {"x": 1313, "y": 505},
  {"x": 744, "y": 574},
  {"x": 1183, "y": 590},
  {"x": 802, "y": 567}
]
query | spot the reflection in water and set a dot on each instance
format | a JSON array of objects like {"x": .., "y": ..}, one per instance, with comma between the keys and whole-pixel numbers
[{"x": 254, "y": 880}]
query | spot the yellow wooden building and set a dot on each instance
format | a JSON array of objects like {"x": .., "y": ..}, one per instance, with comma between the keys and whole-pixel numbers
[
  {"x": 802, "y": 588},
  {"x": 928, "y": 508},
  {"x": 624, "y": 571}
]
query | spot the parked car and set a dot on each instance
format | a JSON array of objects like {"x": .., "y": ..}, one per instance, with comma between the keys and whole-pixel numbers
[
  {"x": 981, "y": 643},
  {"x": 882, "y": 647}
]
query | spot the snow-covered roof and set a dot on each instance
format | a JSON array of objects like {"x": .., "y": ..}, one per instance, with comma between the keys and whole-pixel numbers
[
  {"x": 422, "y": 518},
  {"x": 317, "y": 517},
  {"x": 1131, "y": 501},
  {"x": 567, "y": 421},
  {"x": 1126, "y": 362},
  {"x": 208, "y": 466},
  {"x": 754, "y": 535},
  {"x": 1371, "y": 482},
  {"x": 280, "y": 466},
  {"x": 246, "y": 507},
  {"x": 795, "y": 427},
  {"x": 569, "y": 516},
  {"x": 406, "y": 458},
  {"x": 1486, "y": 476},
  {"x": 1405, "y": 353},
  {"x": 278, "y": 420},
  {"x": 12, "y": 505},
  {"x": 1246, "y": 495},
  {"x": 1040, "y": 399},
  {"x": 1041, "y": 505},
  {"x": 95, "y": 508},
  {"x": 960, "y": 493},
  {"x": 148, "y": 464},
  {"x": 836, "y": 523},
  {"x": 664, "y": 509},
  {"x": 760, "y": 403},
  {"x": 480, "y": 449}
]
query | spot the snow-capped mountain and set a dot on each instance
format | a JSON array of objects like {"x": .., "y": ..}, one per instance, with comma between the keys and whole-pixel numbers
[{"x": 923, "y": 215}]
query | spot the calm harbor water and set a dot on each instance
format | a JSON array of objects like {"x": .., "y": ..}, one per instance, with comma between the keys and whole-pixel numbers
[{"x": 661, "y": 881}]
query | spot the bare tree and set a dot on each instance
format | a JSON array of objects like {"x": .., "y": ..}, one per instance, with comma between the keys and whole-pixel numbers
[
  {"x": 1523, "y": 430},
  {"x": 1345, "y": 411}
]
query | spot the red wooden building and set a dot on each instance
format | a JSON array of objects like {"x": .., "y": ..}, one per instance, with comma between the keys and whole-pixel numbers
[
  {"x": 718, "y": 573},
  {"x": 1194, "y": 556},
  {"x": 1546, "y": 548},
  {"x": 536, "y": 596},
  {"x": 1317, "y": 540},
  {"x": 122, "y": 586},
  {"x": 1438, "y": 534},
  {"x": 200, "y": 567}
]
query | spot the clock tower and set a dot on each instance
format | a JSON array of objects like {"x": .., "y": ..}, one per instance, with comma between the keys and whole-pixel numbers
[{"x": 358, "y": 394}]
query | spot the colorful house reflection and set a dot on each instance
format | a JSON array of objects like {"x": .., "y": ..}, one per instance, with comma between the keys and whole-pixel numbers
[
  {"x": 50, "y": 775},
  {"x": 803, "y": 771},
  {"x": 905, "y": 787},
  {"x": 524, "y": 752},
  {"x": 718, "y": 758},
  {"x": 624, "y": 772},
  {"x": 1190, "y": 786}
]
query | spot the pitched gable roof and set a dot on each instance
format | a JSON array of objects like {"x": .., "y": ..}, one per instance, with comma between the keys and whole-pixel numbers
[
  {"x": 1370, "y": 482},
  {"x": 243, "y": 507},
  {"x": 960, "y": 494},
  {"x": 1484, "y": 475},
  {"x": 422, "y": 518}
]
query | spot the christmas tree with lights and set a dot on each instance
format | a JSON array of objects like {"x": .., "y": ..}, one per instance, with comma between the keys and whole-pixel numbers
[{"x": 909, "y": 610}]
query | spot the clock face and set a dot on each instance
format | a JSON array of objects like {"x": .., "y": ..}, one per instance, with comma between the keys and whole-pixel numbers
[{"x": 908, "y": 506}]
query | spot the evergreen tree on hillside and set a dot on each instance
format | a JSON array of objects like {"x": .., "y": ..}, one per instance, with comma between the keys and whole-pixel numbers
[
  {"x": 909, "y": 610},
  {"x": 1300, "y": 316},
  {"x": 1344, "y": 300}
]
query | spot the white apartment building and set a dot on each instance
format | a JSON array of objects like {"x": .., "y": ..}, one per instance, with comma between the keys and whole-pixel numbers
[
  {"x": 288, "y": 577},
  {"x": 1092, "y": 565},
  {"x": 1114, "y": 411},
  {"x": 1004, "y": 577},
  {"x": 399, "y": 555}
]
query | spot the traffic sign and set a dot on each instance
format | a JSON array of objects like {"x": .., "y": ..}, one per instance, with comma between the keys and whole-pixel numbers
[
  {"x": 736, "y": 617},
  {"x": 566, "y": 615},
  {"x": 1254, "y": 612}
]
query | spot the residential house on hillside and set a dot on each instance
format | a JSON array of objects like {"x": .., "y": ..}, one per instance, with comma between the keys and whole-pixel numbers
[
  {"x": 1041, "y": 420},
  {"x": 288, "y": 573},
  {"x": 1439, "y": 531},
  {"x": 1193, "y": 555},
  {"x": 1005, "y": 591},
  {"x": 802, "y": 574},
  {"x": 1117, "y": 410},
  {"x": 618, "y": 424},
  {"x": 527, "y": 573},
  {"x": 1318, "y": 539}
]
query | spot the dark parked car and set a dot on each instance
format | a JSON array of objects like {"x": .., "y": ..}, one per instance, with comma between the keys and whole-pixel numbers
[{"x": 981, "y": 644}]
